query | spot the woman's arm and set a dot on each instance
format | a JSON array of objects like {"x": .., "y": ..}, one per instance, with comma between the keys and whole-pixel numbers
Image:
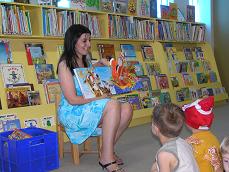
[
  {"x": 68, "y": 86},
  {"x": 102, "y": 62}
]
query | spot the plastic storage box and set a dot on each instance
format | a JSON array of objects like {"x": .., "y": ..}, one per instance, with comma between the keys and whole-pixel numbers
[{"x": 36, "y": 154}]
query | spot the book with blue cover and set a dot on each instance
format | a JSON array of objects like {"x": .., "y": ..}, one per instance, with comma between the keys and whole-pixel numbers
[
  {"x": 5, "y": 52},
  {"x": 129, "y": 51}
]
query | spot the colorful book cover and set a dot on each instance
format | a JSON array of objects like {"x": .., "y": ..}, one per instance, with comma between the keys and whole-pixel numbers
[
  {"x": 186, "y": 92},
  {"x": 106, "y": 51},
  {"x": 8, "y": 125},
  {"x": 12, "y": 73},
  {"x": 78, "y": 4},
  {"x": 132, "y": 7},
  {"x": 145, "y": 99},
  {"x": 97, "y": 81},
  {"x": 162, "y": 81},
  {"x": 129, "y": 51},
  {"x": 44, "y": 72},
  {"x": 193, "y": 93},
  {"x": 174, "y": 81},
  {"x": 153, "y": 68},
  {"x": 122, "y": 99},
  {"x": 5, "y": 52},
  {"x": 17, "y": 97},
  {"x": 188, "y": 54},
  {"x": 136, "y": 66},
  {"x": 201, "y": 78},
  {"x": 165, "y": 97},
  {"x": 34, "y": 98},
  {"x": 164, "y": 12},
  {"x": 120, "y": 6},
  {"x": 133, "y": 99},
  {"x": 171, "y": 53},
  {"x": 147, "y": 53},
  {"x": 212, "y": 77},
  {"x": 206, "y": 65},
  {"x": 155, "y": 97},
  {"x": 92, "y": 5},
  {"x": 35, "y": 53},
  {"x": 153, "y": 8},
  {"x": 180, "y": 95},
  {"x": 143, "y": 8},
  {"x": 180, "y": 15},
  {"x": 187, "y": 78},
  {"x": 199, "y": 53},
  {"x": 106, "y": 5},
  {"x": 146, "y": 84},
  {"x": 173, "y": 11},
  {"x": 190, "y": 13},
  {"x": 51, "y": 88}
]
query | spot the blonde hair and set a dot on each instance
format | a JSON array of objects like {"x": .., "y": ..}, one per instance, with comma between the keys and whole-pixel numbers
[{"x": 225, "y": 146}]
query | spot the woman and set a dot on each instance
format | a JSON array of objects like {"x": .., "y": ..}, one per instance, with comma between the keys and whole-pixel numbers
[{"x": 80, "y": 116}]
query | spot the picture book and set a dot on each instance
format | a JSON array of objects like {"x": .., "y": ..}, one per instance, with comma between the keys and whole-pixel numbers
[
  {"x": 133, "y": 99},
  {"x": 165, "y": 97},
  {"x": 96, "y": 81},
  {"x": 5, "y": 52},
  {"x": 153, "y": 68},
  {"x": 194, "y": 65},
  {"x": 193, "y": 93},
  {"x": 186, "y": 93},
  {"x": 187, "y": 78},
  {"x": 106, "y": 5},
  {"x": 35, "y": 53},
  {"x": 17, "y": 97},
  {"x": 153, "y": 8},
  {"x": 92, "y": 5},
  {"x": 34, "y": 98},
  {"x": 188, "y": 54},
  {"x": 128, "y": 51},
  {"x": 120, "y": 6},
  {"x": 9, "y": 122},
  {"x": 199, "y": 53},
  {"x": 210, "y": 92},
  {"x": 190, "y": 12},
  {"x": 212, "y": 77},
  {"x": 180, "y": 95},
  {"x": 171, "y": 53},
  {"x": 206, "y": 65},
  {"x": 164, "y": 12},
  {"x": 147, "y": 53},
  {"x": 18, "y": 134},
  {"x": 78, "y": 4},
  {"x": 132, "y": 7},
  {"x": 162, "y": 81},
  {"x": 106, "y": 51},
  {"x": 51, "y": 88},
  {"x": 173, "y": 11},
  {"x": 146, "y": 84},
  {"x": 31, "y": 123},
  {"x": 136, "y": 66},
  {"x": 174, "y": 81},
  {"x": 44, "y": 71},
  {"x": 145, "y": 99},
  {"x": 201, "y": 78},
  {"x": 122, "y": 99},
  {"x": 181, "y": 66},
  {"x": 180, "y": 15},
  {"x": 155, "y": 97},
  {"x": 47, "y": 121},
  {"x": 29, "y": 86},
  {"x": 143, "y": 8},
  {"x": 12, "y": 73}
]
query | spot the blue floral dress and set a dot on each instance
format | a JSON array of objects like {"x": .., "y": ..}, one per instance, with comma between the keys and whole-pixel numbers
[{"x": 81, "y": 121}]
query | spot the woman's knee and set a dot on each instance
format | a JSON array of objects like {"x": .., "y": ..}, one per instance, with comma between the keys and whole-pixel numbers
[{"x": 127, "y": 110}]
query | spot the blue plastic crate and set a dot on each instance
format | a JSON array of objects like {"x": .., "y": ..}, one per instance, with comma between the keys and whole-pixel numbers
[{"x": 36, "y": 154}]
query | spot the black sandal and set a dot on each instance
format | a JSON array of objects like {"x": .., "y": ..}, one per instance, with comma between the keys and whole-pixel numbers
[{"x": 104, "y": 166}]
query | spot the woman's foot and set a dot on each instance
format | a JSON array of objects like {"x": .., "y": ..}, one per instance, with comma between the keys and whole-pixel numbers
[
  {"x": 111, "y": 167},
  {"x": 118, "y": 159}
]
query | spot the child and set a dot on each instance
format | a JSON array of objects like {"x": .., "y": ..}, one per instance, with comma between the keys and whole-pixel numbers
[
  {"x": 175, "y": 154},
  {"x": 198, "y": 118},
  {"x": 225, "y": 153}
]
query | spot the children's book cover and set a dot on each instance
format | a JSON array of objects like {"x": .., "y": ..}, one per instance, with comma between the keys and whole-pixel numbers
[
  {"x": 34, "y": 98},
  {"x": 17, "y": 97},
  {"x": 187, "y": 78},
  {"x": 145, "y": 99},
  {"x": 78, "y": 4},
  {"x": 155, "y": 97},
  {"x": 136, "y": 66},
  {"x": 212, "y": 76},
  {"x": 132, "y": 7},
  {"x": 193, "y": 93},
  {"x": 92, "y": 5},
  {"x": 194, "y": 65},
  {"x": 199, "y": 53},
  {"x": 8, "y": 125},
  {"x": 120, "y": 6},
  {"x": 146, "y": 84},
  {"x": 106, "y": 5},
  {"x": 106, "y": 51},
  {"x": 186, "y": 92},
  {"x": 171, "y": 53},
  {"x": 143, "y": 8},
  {"x": 175, "y": 82},
  {"x": 190, "y": 13},
  {"x": 165, "y": 97},
  {"x": 153, "y": 68},
  {"x": 188, "y": 54},
  {"x": 153, "y": 8},
  {"x": 147, "y": 53},
  {"x": 31, "y": 123},
  {"x": 35, "y": 53},
  {"x": 5, "y": 52},
  {"x": 128, "y": 51},
  {"x": 173, "y": 11},
  {"x": 44, "y": 72},
  {"x": 180, "y": 95},
  {"x": 122, "y": 99},
  {"x": 133, "y": 99},
  {"x": 162, "y": 81},
  {"x": 51, "y": 88},
  {"x": 12, "y": 73},
  {"x": 180, "y": 15},
  {"x": 164, "y": 12},
  {"x": 201, "y": 78},
  {"x": 206, "y": 65}
]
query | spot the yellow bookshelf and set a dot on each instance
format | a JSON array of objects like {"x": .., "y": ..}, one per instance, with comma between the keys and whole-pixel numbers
[{"x": 51, "y": 42}]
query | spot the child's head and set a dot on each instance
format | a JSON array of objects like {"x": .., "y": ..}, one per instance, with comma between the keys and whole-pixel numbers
[
  {"x": 168, "y": 119},
  {"x": 225, "y": 153},
  {"x": 199, "y": 115}
]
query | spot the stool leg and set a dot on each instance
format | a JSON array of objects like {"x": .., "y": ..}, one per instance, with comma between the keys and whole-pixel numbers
[
  {"x": 75, "y": 154},
  {"x": 87, "y": 145},
  {"x": 99, "y": 145},
  {"x": 61, "y": 142}
]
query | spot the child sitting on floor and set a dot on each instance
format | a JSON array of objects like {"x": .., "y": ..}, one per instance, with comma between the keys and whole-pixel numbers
[
  {"x": 198, "y": 118},
  {"x": 224, "y": 147},
  {"x": 175, "y": 154}
]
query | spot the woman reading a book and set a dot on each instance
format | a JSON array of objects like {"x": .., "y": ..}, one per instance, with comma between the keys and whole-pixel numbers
[{"x": 81, "y": 116}]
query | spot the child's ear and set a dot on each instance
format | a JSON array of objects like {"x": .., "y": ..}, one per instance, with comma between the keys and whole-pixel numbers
[{"x": 155, "y": 130}]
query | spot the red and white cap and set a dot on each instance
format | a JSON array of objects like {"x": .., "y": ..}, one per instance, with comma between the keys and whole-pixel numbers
[{"x": 199, "y": 114}]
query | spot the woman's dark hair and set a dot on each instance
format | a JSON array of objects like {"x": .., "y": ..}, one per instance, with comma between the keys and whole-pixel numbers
[
  {"x": 169, "y": 118},
  {"x": 71, "y": 37}
]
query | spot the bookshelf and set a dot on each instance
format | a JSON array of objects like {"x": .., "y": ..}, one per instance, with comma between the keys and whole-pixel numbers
[{"x": 180, "y": 34}]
